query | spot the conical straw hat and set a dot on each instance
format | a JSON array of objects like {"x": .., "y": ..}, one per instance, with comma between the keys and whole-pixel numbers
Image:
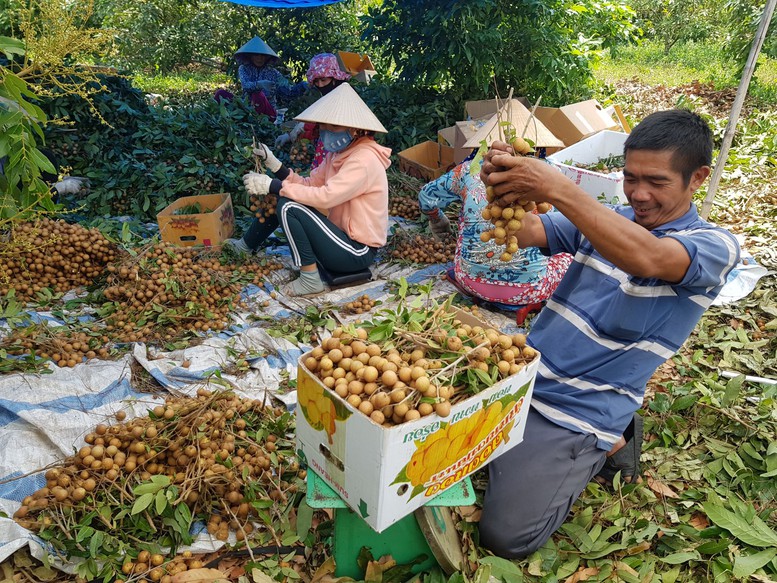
[
  {"x": 256, "y": 46},
  {"x": 514, "y": 112},
  {"x": 342, "y": 107}
]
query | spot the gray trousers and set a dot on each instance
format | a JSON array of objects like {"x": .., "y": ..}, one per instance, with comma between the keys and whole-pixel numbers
[{"x": 532, "y": 487}]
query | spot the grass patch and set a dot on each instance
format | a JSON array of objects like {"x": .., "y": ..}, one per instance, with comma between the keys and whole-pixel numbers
[
  {"x": 171, "y": 83},
  {"x": 685, "y": 63}
]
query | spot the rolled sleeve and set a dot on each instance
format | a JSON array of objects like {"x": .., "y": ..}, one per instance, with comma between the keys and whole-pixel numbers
[
  {"x": 714, "y": 253},
  {"x": 563, "y": 236}
]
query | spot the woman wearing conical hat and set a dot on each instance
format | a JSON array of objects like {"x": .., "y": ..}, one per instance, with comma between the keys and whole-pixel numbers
[
  {"x": 351, "y": 184},
  {"x": 263, "y": 85}
]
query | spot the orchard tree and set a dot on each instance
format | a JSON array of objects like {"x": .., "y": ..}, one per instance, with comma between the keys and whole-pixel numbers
[
  {"x": 52, "y": 39},
  {"x": 744, "y": 16},
  {"x": 539, "y": 47},
  {"x": 162, "y": 35},
  {"x": 678, "y": 21}
]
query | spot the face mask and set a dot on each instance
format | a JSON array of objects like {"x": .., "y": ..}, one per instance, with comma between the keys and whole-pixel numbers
[
  {"x": 335, "y": 141},
  {"x": 333, "y": 84}
]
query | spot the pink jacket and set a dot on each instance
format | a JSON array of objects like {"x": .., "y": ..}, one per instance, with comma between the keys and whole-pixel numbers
[{"x": 352, "y": 184}]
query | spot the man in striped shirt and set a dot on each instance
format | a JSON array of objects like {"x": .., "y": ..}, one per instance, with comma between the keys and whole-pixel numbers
[{"x": 641, "y": 278}]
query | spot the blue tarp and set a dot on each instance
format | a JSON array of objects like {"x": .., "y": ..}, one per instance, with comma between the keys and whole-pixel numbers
[{"x": 284, "y": 3}]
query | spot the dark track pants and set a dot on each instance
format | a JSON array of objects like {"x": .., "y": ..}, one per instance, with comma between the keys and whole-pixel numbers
[
  {"x": 312, "y": 238},
  {"x": 532, "y": 487}
]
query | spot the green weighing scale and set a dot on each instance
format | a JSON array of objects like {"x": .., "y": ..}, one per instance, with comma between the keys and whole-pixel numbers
[{"x": 429, "y": 531}]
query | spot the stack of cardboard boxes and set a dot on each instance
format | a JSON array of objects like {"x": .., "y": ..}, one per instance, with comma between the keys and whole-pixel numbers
[{"x": 552, "y": 129}]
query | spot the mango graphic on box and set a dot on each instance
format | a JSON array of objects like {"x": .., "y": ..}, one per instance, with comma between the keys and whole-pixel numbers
[
  {"x": 318, "y": 407},
  {"x": 458, "y": 449}
]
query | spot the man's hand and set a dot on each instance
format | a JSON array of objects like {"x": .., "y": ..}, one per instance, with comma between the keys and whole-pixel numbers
[
  {"x": 257, "y": 184},
  {"x": 521, "y": 179},
  {"x": 487, "y": 167},
  {"x": 265, "y": 155},
  {"x": 440, "y": 226}
]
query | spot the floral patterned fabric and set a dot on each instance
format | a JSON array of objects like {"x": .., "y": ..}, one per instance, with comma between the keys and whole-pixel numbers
[{"x": 530, "y": 277}]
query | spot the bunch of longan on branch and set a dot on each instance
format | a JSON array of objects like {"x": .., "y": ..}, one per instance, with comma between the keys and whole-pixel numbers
[
  {"x": 263, "y": 206},
  {"x": 508, "y": 218}
]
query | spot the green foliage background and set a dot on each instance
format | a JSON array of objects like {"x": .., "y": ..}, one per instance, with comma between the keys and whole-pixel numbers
[{"x": 538, "y": 47}]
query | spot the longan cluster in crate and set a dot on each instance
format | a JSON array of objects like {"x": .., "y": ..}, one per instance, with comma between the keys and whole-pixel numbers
[
  {"x": 64, "y": 347},
  {"x": 414, "y": 374},
  {"x": 52, "y": 254},
  {"x": 360, "y": 305},
  {"x": 422, "y": 249},
  {"x": 404, "y": 206},
  {"x": 167, "y": 291},
  {"x": 221, "y": 452},
  {"x": 263, "y": 206},
  {"x": 508, "y": 218}
]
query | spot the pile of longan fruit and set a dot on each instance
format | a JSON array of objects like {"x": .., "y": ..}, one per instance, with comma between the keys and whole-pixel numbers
[
  {"x": 52, "y": 254},
  {"x": 167, "y": 291},
  {"x": 221, "y": 451},
  {"x": 65, "y": 348},
  {"x": 157, "y": 567},
  {"x": 508, "y": 219},
  {"x": 300, "y": 155},
  {"x": 404, "y": 206},
  {"x": 394, "y": 384},
  {"x": 422, "y": 249},
  {"x": 363, "y": 303}
]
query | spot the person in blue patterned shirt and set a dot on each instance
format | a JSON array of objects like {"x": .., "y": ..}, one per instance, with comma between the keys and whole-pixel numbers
[
  {"x": 263, "y": 85},
  {"x": 641, "y": 278}
]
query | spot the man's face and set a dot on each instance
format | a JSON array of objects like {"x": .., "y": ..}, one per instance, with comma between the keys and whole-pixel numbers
[{"x": 656, "y": 190}]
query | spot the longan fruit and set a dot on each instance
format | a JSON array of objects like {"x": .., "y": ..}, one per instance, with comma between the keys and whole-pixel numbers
[
  {"x": 412, "y": 415},
  {"x": 425, "y": 409},
  {"x": 389, "y": 378}
]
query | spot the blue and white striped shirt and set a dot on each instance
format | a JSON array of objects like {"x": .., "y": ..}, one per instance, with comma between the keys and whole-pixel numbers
[{"x": 603, "y": 332}]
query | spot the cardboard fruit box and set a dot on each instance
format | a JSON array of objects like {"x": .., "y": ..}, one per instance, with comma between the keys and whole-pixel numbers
[
  {"x": 209, "y": 228},
  {"x": 359, "y": 66},
  {"x": 427, "y": 160},
  {"x": 385, "y": 473},
  {"x": 571, "y": 123},
  {"x": 605, "y": 187}
]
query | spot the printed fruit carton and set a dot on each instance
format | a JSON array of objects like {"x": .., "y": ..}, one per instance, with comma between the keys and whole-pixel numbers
[
  {"x": 383, "y": 473},
  {"x": 604, "y": 187},
  {"x": 210, "y": 227}
]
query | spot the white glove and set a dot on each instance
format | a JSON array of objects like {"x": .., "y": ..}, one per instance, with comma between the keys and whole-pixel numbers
[
  {"x": 265, "y": 155},
  {"x": 71, "y": 185},
  {"x": 257, "y": 184},
  {"x": 282, "y": 140}
]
